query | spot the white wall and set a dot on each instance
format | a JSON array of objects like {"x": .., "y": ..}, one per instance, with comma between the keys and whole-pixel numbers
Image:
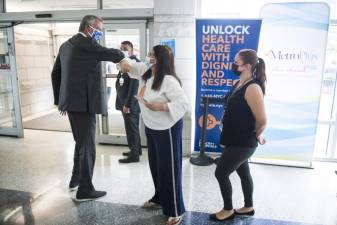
[{"x": 175, "y": 19}]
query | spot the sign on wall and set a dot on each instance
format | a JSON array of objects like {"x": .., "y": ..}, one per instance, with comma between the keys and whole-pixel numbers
[
  {"x": 217, "y": 42},
  {"x": 170, "y": 43}
]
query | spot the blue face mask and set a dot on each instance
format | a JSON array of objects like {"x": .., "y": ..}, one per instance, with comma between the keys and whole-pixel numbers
[{"x": 96, "y": 34}]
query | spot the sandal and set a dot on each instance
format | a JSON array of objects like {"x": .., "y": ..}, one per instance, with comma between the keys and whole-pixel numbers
[
  {"x": 151, "y": 205},
  {"x": 174, "y": 220}
]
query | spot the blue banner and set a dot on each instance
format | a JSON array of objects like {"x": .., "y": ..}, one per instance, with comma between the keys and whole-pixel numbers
[{"x": 217, "y": 42}]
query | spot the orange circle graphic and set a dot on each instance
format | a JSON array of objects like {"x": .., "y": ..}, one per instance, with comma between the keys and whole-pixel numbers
[{"x": 211, "y": 121}]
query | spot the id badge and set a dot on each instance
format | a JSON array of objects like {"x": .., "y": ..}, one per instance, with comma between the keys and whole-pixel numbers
[{"x": 121, "y": 81}]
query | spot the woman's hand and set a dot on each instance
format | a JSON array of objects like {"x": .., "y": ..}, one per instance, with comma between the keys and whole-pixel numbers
[
  {"x": 157, "y": 106},
  {"x": 261, "y": 140}
]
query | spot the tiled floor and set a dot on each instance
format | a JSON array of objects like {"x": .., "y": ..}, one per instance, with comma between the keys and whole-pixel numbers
[{"x": 36, "y": 170}]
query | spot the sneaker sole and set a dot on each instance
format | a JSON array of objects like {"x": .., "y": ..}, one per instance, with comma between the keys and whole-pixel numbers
[
  {"x": 73, "y": 189},
  {"x": 88, "y": 199}
]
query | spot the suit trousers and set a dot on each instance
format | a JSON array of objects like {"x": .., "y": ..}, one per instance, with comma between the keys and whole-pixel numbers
[
  {"x": 131, "y": 123},
  {"x": 83, "y": 126}
]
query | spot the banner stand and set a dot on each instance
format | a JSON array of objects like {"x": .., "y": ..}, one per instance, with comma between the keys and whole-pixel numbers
[{"x": 203, "y": 159}]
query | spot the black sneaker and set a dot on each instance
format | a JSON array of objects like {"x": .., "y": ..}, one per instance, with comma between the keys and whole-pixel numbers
[
  {"x": 73, "y": 184},
  {"x": 129, "y": 159},
  {"x": 89, "y": 196}
]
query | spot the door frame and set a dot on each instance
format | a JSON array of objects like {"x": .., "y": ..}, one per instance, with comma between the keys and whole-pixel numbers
[
  {"x": 109, "y": 16},
  {"x": 16, "y": 130},
  {"x": 104, "y": 136}
]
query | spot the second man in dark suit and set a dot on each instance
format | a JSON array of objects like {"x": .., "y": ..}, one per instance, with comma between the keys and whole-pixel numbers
[{"x": 127, "y": 88}]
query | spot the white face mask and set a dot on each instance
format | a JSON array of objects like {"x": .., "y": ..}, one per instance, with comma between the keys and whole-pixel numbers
[
  {"x": 147, "y": 62},
  {"x": 126, "y": 54}
]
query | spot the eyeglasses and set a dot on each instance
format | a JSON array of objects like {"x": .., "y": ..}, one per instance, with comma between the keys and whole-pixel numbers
[{"x": 94, "y": 28}]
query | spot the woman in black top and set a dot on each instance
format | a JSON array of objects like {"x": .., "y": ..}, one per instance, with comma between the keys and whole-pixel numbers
[{"x": 243, "y": 123}]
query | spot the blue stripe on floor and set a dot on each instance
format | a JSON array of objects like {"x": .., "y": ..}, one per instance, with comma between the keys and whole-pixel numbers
[{"x": 18, "y": 208}]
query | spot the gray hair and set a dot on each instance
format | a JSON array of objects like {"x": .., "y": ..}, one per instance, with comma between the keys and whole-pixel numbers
[{"x": 88, "y": 20}]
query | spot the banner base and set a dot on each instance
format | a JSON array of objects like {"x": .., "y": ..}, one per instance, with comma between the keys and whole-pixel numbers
[{"x": 202, "y": 160}]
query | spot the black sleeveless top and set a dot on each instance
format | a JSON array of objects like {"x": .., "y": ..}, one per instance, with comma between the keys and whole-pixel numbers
[{"x": 238, "y": 122}]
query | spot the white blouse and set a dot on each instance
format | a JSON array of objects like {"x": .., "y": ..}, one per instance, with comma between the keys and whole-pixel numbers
[{"x": 170, "y": 92}]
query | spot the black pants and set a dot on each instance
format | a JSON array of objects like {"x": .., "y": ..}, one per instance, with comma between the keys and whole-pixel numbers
[
  {"x": 131, "y": 123},
  {"x": 83, "y": 126},
  {"x": 165, "y": 159},
  {"x": 235, "y": 158}
]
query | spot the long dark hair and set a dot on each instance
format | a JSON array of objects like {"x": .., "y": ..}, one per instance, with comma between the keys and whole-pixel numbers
[
  {"x": 249, "y": 56},
  {"x": 164, "y": 66}
]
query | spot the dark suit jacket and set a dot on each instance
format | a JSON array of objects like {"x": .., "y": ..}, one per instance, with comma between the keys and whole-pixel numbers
[
  {"x": 77, "y": 78},
  {"x": 127, "y": 91}
]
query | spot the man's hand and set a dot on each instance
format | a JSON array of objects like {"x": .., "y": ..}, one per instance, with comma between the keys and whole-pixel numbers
[
  {"x": 157, "y": 106},
  {"x": 261, "y": 140},
  {"x": 126, "y": 110},
  {"x": 63, "y": 113},
  {"x": 125, "y": 66}
]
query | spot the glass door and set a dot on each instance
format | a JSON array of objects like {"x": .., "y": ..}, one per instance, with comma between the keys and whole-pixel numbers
[
  {"x": 326, "y": 137},
  {"x": 112, "y": 129},
  {"x": 10, "y": 112}
]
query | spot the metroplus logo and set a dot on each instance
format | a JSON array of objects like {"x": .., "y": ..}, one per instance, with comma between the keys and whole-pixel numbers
[{"x": 293, "y": 56}]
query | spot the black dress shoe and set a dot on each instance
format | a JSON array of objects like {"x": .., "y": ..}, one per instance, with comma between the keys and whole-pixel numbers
[
  {"x": 216, "y": 160},
  {"x": 250, "y": 213},
  {"x": 214, "y": 218},
  {"x": 73, "y": 184},
  {"x": 128, "y": 153},
  {"x": 89, "y": 196},
  {"x": 129, "y": 159}
]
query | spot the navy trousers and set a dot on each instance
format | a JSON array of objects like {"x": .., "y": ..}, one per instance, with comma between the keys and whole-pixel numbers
[{"x": 165, "y": 159}]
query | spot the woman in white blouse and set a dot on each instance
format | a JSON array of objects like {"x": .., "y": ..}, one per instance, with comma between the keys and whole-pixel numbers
[{"x": 163, "y": 104}]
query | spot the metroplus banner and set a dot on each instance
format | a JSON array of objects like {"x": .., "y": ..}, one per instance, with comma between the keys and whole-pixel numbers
[
  {"x": 217, "y": 42},
  {"x": 292, "y": 43}
]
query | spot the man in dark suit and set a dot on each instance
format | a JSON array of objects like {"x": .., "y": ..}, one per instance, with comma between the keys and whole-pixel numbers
[
  {"x": 126, "y": 89},
  {"x": 78, "y": 91}
]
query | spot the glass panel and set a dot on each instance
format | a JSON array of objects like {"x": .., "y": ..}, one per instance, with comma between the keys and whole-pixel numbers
[
  {"x": 335, "y": 152},
  {"x": 34, "y": 62},
  {"x": 322, "y": 134},
  {"x": 113, "y": 39},
  {"x": 7, "y": 112},
  {"x": 125, "y": 4},
  {"x": 48, "y": 5},
  {"x": 328, "y": 101}
]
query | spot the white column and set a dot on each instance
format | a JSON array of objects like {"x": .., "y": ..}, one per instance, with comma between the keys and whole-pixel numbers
[{"x": 176, "y": 19}]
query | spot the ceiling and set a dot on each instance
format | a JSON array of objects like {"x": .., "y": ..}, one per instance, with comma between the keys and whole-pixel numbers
[{"x": 46, "y": 5}]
